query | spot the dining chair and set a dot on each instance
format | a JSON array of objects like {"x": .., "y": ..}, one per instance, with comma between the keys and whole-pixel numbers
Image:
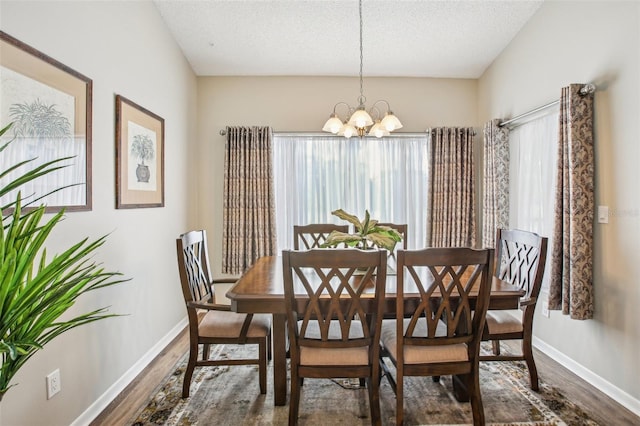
[
  {"x": 441, "y": 335},
  {"x": 211, "y": 322},
  {"x": 520, "y": 260},
  {"x": 306, "y": 237},
  {"x": 334, "y": 304},
  {"x": 392, "y": 259},
  {"x": 401, "y": 228}
]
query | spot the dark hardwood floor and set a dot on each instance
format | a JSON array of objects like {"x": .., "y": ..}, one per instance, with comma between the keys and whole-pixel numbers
[{"x": 602, "y": 408}]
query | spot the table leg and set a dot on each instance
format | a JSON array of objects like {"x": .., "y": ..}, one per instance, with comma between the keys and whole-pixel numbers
[
  {"x": 460, "y": 387},
  {"x": 279, "y": 334}
]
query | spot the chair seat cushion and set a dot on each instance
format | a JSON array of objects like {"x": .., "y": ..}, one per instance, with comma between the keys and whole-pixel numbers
[
  {"x": 227, "y": 324},
  {"x": 422, "y": 354},
  {"x": 503, "y": 322},
  {"x": 334, "y": 356}
]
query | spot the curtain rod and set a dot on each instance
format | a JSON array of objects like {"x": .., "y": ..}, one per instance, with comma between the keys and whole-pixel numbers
[
  {"x": 223, "y": 132},
  {"x": 585, "y": 90}
]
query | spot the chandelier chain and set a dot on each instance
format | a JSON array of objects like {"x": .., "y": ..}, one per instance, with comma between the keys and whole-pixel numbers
[
  {"x": 359, "y": 121},
  {"x": 362, "y": 99}
]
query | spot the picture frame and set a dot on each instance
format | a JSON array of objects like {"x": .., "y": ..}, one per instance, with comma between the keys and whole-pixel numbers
[
  {"x": 50, "y": 107},
  {"x": 139, "y": 156}
]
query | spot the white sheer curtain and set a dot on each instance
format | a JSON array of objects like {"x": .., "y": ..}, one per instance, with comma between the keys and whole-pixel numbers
[
  {"x": 533, "y": 158},
  {"x": 314, "y": 175}
]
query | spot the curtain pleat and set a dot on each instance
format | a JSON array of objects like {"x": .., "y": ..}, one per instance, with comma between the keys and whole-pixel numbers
[
  {"x": 571, "y": 286},
  {"x": 249, "y": 230},
  {"x": 495, "y": 208},
  {"x": 451, "y": 212}
]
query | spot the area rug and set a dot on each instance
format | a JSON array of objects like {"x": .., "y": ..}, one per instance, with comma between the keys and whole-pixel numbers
[{"x": 230, "y": 396}]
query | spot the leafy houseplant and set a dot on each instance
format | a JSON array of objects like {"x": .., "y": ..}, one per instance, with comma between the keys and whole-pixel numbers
[
  {"x": 35, "y": 289},
  {"x": 368, "y": 233}
]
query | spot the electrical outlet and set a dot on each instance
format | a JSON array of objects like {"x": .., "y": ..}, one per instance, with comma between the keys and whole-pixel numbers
[
  {"x": 545, "y": 310},
  {"x": 53, "y": 383}
]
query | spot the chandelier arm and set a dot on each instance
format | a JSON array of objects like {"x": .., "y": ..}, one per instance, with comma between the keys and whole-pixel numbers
[
  {"x": 382, "y": 100},
  {"x": 349, "y": 107}
]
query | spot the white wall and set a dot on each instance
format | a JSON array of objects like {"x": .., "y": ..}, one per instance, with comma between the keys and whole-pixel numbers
[
  {"x": 125, "y": 48},
  {"x": 304, "y": 104},
  {"x": 581, "y": 42}
]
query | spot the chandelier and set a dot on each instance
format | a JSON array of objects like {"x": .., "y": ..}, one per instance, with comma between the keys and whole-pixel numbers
[{"x": 360, "y": 121}]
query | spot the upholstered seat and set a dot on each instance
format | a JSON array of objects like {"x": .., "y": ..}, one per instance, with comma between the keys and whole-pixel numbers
[
  {"x": 422, "y": 354},
  {"x": 504, "y": 322}
]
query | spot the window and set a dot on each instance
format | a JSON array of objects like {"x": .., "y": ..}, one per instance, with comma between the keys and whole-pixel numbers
[
  {"x": 315, "y": 175},
  {"x": 533, "y": 158}
]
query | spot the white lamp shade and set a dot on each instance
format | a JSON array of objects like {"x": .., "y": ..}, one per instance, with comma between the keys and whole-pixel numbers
[
  {"x": 378, "y": 130},
  {"x": 391, "y": 122},
  {"x": 347, "y": 131},
  {"x": 360, "y": 118},
  {"x": 333, "y": 124}
]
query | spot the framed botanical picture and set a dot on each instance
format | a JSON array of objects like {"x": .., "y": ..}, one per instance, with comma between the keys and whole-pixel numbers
[
  {"x": 48, "y": 106},
  {"x": 139, "y": 156}
]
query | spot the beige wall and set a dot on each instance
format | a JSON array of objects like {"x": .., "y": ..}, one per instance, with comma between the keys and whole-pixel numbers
[
  {"x": 304, "y": 104},
  {"x": 581, "y": 42},
  {"x": 125, "y": 49}
]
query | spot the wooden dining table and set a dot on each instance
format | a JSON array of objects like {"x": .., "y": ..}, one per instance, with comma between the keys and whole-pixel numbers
[{"x": 261, "y": 290}]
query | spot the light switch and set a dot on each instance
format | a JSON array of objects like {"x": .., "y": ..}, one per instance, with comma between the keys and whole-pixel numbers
[{"x": 603, "y": 214}]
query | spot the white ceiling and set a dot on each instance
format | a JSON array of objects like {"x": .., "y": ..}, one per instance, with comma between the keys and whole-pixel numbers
[{"x": 402, "y": 38}]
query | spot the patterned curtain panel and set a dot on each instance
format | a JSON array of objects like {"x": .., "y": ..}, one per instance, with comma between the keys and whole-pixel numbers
[
  {"x": 249, "y": 230},
  {"x": 495, "y": 208},
  {"x": 451, "y": 212},
  {"x": 571, "y": 286}
]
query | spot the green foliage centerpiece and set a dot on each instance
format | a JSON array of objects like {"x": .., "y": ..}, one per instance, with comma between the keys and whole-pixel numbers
[
  {"x": 35, "y": 289},
  {"x": 368, "y": 233}
]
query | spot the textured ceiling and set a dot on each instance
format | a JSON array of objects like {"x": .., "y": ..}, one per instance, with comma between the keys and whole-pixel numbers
[{"x": 457, "y": 39}]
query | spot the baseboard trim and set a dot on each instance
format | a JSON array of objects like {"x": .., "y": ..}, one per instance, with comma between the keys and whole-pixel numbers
[
  {"x": 112, "y": 393},
  {"x": 621, "y": 397}
]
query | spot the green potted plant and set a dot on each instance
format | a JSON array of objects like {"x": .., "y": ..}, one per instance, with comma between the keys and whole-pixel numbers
[
  {"x": 368, "y": 233},
  {"x": 36, "y": 289}
]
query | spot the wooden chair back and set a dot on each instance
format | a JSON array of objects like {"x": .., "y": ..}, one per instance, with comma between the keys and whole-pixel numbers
[
  {"x": 193, "y": 266},
  {"x": 444, "y": 278},
  {"x": 306, "y": 237},
  {"x": 401, "y": 228},
  {"x": 331, "y": 290},
  {"x": 520, "y": 260}
]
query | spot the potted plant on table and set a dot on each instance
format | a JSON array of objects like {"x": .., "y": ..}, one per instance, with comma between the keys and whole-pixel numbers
[
  {"x": 36, "y": 289},
  {"x": 367, "y": 233}
]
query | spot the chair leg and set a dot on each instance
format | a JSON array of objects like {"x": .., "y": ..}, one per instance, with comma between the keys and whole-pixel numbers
[
  {"x": 374, "y": 400},
  {"x": 188, "y": 373},
  {"x": 399, "y": 396},
  {"x": 527, "y": 352},
  {"x": 205, "y": 352},
  {"x": 262, "y": 355},
  {"x": 475, "y": 397},
  {"x": 495, "y": 344},
  {"x": 294, "y": 399}
]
